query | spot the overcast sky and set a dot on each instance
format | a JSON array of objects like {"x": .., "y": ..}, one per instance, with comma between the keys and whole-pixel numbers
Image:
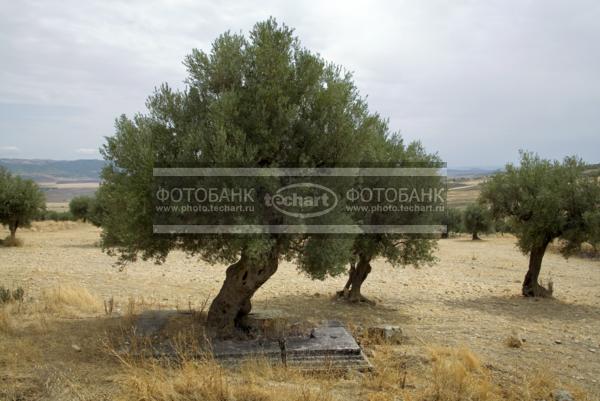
[{"x": 473, "y": 80}]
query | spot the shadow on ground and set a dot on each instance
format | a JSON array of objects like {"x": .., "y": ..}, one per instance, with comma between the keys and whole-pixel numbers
[
  {"x": 327, "y": 307},
  {"x": 519, "y": 307}
]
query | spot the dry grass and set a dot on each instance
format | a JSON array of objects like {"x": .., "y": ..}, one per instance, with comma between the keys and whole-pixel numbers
[
  {"x": 7, "y": 323},
  {"x": 34, "y": 316},
  {"x": 457, "y": 375},
  {"x": 453, "y": 374},
  {"x": 73, "y": 299},
  {"x": 428, "y": 374},
  {"x": 463, "y": 300},
  {"x": 206, "y": 380}
]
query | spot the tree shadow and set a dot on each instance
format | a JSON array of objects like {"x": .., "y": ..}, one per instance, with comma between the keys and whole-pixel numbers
[
  {"x": 91, "y": 245},
  {"x": 522, "y": 308},
  {"x": 329, "y": 307}
]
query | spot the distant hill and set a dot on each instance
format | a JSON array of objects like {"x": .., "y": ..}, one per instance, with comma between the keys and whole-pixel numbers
[
  {"x": 55, "y": 170},
  {"x": 42, "y": 170},
  {"x": 593, "y": 170},
  {"x": 471, "y": 172}
]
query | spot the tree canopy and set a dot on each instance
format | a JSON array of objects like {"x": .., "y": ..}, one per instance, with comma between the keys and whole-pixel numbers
[
  {"x": 453, "y": 221},
  {"x": 261, "y": 101},
  {"x": 397, "y": 249},
  {"x": 476, "y": 219},
  {"x": 80, "y": 207},
  {"x": 544, "y": 200},
  {"x": 21, "y": 200}
]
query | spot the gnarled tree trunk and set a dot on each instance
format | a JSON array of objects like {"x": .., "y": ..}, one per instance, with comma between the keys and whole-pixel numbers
[
  {"x": 233, "y": 302},
  {"x": 475, "y": 236},
  {"x": 531, "y": 287},
  {"x": 12, "y": 227},
  {"x": 357, "y": 275}
]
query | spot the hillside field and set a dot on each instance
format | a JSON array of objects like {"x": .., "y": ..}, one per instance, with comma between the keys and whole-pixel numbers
[{"x": 54, "y": 345}]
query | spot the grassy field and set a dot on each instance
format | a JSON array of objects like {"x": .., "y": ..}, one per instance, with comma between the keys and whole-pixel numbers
[
  {"x": 60, "y": 193},
  {"x": 463, "y": 192},
  {"x": 460, "y": 317}
]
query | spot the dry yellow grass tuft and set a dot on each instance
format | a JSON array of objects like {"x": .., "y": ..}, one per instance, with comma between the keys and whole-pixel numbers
[
  {"x": 456, "y": 375},
  {"x": 7, "y": 322},
  {"x": 70, "y": 299},
  {"x": 206, "y": 380}
]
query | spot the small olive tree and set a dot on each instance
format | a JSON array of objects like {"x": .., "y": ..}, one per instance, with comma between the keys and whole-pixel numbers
[
  {"x": 453, "y": 221},
  {"x": 476, "y": 219},
  {"x": 80, "y": 207},
  {"x": 544, "y": 200},
  {"x": 262, "y": 101},
  {"x": 397, "y": 249},
  {"x": 21, "y": 200}
]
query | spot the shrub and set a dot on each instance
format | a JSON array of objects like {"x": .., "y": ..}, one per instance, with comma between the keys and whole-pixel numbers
[
  {"x": 18, "y": 294},
  {"x": 53, "y": 215},
  {"x": 6, "y": 295},
  {"x": 80, "y": 207}
]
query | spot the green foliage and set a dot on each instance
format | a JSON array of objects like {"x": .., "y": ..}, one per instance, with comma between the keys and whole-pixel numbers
[
  {"x": 454, "y": 221},
  {"x": 86, "y": 208},
  {"x": 398, "y": 249},
  {"x": 97, "y": 210},
  {"x": 261, "y": 101},
  {"x": 477, "y": 219},
  {"x": 543, "y": 200},
  {"x": 502, "y": 225},
  {"x": 53, "y": 215},
  {"x": 20, "y": 201},
  {"x": 80, "y": 207},
  {"x": 325, "y": 255}
]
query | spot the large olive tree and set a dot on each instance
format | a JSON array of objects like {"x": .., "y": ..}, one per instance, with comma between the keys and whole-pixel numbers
[
  {"x": 261, "y": 101},
  {"x": 544, "y": 200}
]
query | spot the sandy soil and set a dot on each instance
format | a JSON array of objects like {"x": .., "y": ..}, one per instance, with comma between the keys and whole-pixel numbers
[{"x": 470, "y": 297}]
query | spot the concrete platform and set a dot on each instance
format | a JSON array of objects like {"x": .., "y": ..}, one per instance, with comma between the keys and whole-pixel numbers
[{"x": 329, "y": 346}]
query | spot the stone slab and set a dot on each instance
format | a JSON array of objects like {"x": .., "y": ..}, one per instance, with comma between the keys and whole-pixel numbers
[{"x": 327, "y": 346}]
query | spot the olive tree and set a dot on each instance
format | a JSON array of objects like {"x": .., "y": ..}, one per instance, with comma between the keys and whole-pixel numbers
[
  {"x": 261, "y": 101},
  {"x": 476, "y": 219},
  {"x": 80, "y": 207},
  {"x": 21, "y": 200},
  {"x": 453, "y": 221},
  {"x": 397, "y": 249},
  {"x": 544, "y": 200}
]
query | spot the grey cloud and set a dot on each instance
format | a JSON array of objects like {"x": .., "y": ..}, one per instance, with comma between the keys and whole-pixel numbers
[{"x": 475, "y": 81}]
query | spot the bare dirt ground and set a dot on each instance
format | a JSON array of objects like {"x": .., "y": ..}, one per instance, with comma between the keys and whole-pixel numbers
[{"x": 470, "y": 297}]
